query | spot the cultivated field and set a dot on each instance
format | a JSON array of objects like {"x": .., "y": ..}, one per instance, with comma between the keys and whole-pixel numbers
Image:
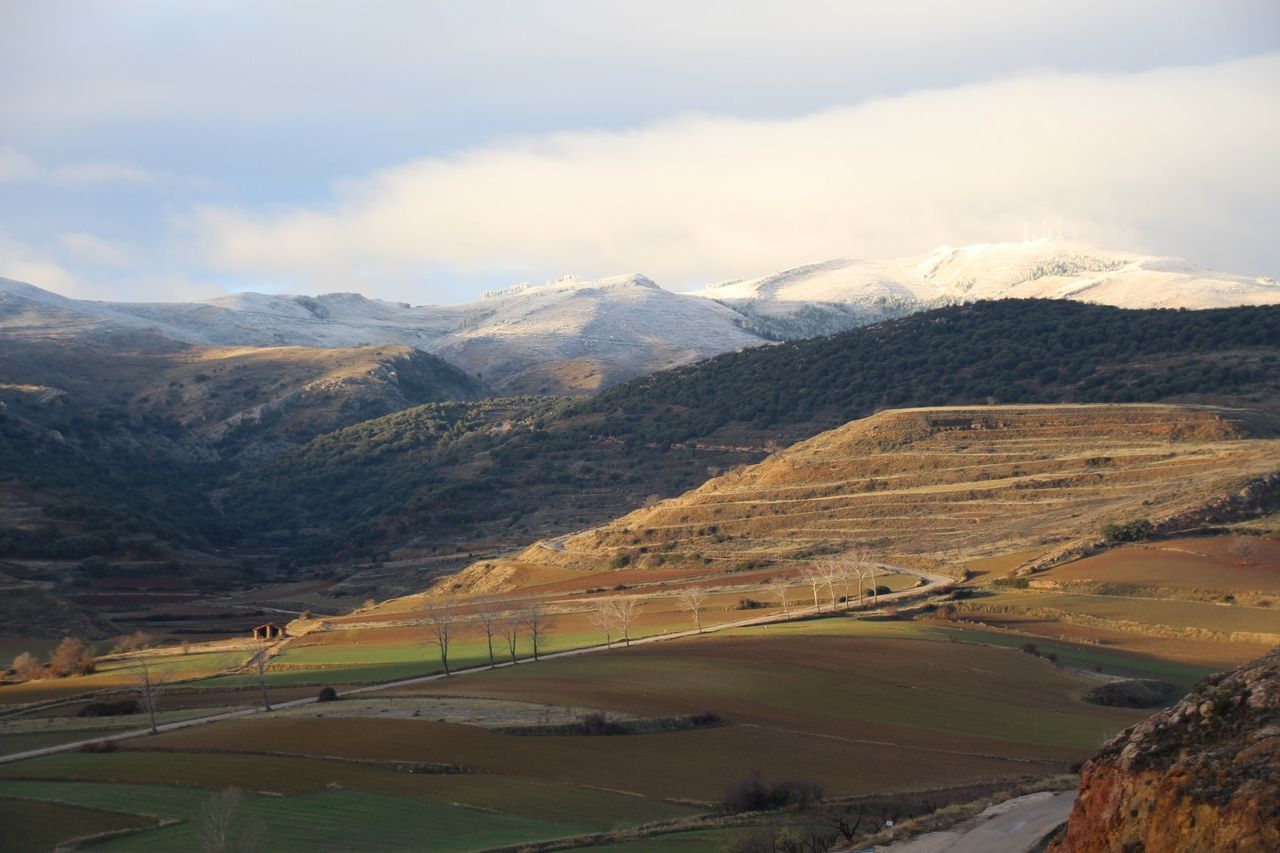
[{"x": 928, "y": 488}]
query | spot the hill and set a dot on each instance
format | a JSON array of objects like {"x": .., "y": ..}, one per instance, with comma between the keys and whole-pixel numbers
[
  {"x": 568, "y": 336},
  {"x": 121, "y": 439},
  {"x": 500, "y": 476},
  {"x": 932, "y": 488},
  {"x": 840, "y": 294}
]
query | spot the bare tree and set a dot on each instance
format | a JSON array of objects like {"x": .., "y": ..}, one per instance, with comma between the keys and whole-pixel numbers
[
  {"x": 829, "y": 571},
  {"x": 625, "y": 611},
  {"x": 604, "y": 617},
  {"x": 489, "y": 619},
  {"x": 510, "y": 628},
  {"x": 260, "y": 652},
  {"x": 217, "y": 826},
  {"x": 537, "y": 619},
  {"x": 778, "y": 586},
  {"x": 852, "y": 566},
  {"x": 440, "y": 619},
  {"x": 813, "y": 577},
  {"x": 692, "y": 600},
  {"x": 151, "y": 681},
  {"x": 875, "y": 590}
]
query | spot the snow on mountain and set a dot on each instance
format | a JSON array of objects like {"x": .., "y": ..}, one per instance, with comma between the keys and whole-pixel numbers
[
  {"x": 566, "y": 336},
  {"x": 573, "y": 336},
  {"x": 834, "y": 295}
]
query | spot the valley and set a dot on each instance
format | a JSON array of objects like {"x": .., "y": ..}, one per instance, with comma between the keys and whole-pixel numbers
[{"x": 908, "y": 567}]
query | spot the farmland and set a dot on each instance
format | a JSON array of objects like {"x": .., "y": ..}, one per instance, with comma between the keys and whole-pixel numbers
[
  {"x": 972, "y": 683},
  {"x": 834, "y": 700}
]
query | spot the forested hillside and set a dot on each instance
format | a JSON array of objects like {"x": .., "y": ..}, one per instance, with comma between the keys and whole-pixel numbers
[{"x": 502, "y": 473}]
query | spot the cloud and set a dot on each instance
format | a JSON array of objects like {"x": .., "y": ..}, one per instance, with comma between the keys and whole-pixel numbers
[
  {"x": 1179, "y": 161},
  {"x": 21, "y": 262},
  {"x": 17, "y": 167},
  {"x": 93, "y": 249},
  {"x": 90, "y": 174}
]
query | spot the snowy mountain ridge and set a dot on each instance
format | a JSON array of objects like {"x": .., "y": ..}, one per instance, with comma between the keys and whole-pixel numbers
[
  {"x": 837, "y": 294},
  {"x": 570, "y": 335}
]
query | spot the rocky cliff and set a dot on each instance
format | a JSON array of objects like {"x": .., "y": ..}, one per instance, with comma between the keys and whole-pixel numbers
[{"x": 1203, "y": 775}]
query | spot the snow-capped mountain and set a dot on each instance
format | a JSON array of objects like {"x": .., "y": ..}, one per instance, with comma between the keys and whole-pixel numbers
[
  {"x": 839, "y": 294},
  {"x": 561, "y": 337},
  {"x": 573, "y": 336}
]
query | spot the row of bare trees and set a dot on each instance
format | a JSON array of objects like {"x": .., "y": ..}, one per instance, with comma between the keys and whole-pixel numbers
[
  {"x": 831, "y": 573},
  {"x": 620, "y": 613},
  {"x": 444, "y": 622}
]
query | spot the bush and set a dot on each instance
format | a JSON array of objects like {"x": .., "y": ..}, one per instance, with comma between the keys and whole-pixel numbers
[
  {"x": 1135, "y": 531},
  {"x": 27, "y": 666},
  {"x": 750, "y": 604},
  {"x": 327, "y": 694},
  {"x": 596, "y": 723},
  {"x": 753, "y": 795},
  {"x": 72, "y": 657}
]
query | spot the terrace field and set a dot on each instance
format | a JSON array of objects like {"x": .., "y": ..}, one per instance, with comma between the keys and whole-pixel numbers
[{"x": 930, "y": 488}]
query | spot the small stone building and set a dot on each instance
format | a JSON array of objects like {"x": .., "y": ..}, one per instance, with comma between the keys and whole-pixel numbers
[{"x": 269, "y": 631}]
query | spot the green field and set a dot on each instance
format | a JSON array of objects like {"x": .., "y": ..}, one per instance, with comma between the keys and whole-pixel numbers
[{"x": 332, "y": 820}]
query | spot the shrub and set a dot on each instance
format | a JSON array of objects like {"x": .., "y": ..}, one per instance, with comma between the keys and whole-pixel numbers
[
  {"x": 596, "y": 723},
  {"x": 1134, "y": 531},
  {"x": 27, "y": 666},
  {"x": 133, "y": 642},
  {"x": 750, "y": 604},
  {"x": 753, "y": 795},
  {"x": 72, "y": 657},
  {"x": 327, "y": 694}
]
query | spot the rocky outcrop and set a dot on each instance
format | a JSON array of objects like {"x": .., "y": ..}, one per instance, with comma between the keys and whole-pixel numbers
[{"x": 1203, "y": 775}]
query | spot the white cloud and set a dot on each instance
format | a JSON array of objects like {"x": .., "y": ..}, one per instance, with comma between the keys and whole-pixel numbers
[
  {"x": 89, "y": 174},
  {"x": 1178, "y": 161},
  {"x": 21, "y": 262},
  {"x": 93, "y": 249},
  {"x": 17, "y": 167}
]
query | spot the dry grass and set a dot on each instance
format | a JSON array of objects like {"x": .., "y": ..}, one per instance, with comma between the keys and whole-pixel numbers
[{"x": 928, "y": 487}]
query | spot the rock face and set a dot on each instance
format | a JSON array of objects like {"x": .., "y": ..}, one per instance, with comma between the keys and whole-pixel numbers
[{"x": 1203, "y": 775}]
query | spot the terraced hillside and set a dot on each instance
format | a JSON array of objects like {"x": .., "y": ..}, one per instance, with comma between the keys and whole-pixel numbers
[{"x": 934, "y": 487}]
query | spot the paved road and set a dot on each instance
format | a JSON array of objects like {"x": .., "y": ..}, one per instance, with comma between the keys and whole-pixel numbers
[
  {"x": 932, "y": 581},
  {"x": 1017, "y": 826}
]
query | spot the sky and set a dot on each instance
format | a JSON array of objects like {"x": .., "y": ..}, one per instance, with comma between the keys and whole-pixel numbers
[{"x": 427, "y": 151}]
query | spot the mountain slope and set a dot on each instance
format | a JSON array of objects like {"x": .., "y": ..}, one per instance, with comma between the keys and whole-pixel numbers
[
  {"x": 565, "y": 337},
  {"x": 505, "y": 476},
  {"x": 840, "y": 294},
  {"x": 921, "y": 487}
]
